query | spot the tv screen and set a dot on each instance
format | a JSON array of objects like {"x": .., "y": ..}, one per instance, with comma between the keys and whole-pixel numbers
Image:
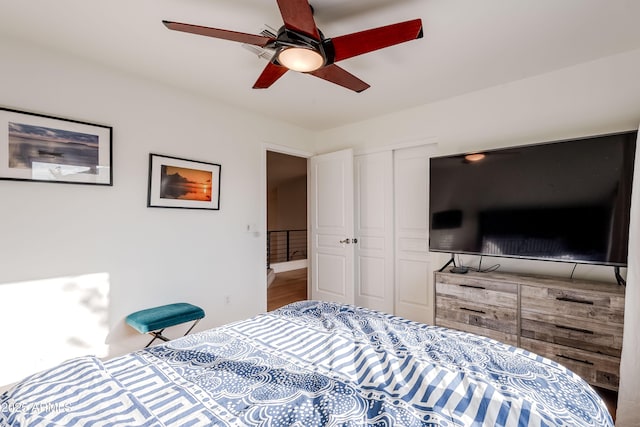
[{"x": 562, "y": 201}]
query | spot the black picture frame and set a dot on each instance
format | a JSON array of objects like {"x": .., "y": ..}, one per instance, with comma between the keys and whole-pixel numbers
[
  {"x": 175, "y": 182},
  {"x": 43, "y": 148}
]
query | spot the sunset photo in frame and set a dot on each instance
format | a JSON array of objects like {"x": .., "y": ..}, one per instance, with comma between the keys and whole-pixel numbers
[
  {"x": 37, "y": 147},
  {"x": 182, "y": 183}
]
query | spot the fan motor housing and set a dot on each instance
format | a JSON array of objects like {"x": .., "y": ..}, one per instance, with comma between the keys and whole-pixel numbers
[{"x": 289, "y": 38}]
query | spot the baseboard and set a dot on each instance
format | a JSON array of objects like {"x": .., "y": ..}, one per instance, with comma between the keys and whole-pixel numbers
[
  {"x": 290, "y": 265},
  {"x": 271, "y": 276}
]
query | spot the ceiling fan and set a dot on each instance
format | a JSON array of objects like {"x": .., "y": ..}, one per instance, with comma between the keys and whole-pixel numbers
[{"x": 301, "y": 46}]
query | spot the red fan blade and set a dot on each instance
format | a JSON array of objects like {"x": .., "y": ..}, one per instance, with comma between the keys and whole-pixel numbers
[
  {"x": 298, "y": 16},
  {"x": 270, "y": 74},
  {"x": 354, "y": 44},
  {"x": 220, "y": 34},
  {"x": 334, "y": 74}
]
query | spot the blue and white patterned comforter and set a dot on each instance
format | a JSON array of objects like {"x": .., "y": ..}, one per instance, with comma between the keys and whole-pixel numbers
[{"x": 311, "y": 364}]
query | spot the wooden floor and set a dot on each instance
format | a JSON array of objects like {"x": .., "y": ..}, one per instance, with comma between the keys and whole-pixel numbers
[
  {"x": 610, "y": 399},
  {"x": 287, "y": 287}
]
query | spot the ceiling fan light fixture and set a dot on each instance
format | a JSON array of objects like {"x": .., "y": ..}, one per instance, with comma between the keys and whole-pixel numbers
[{"x": 300, "y": 59}]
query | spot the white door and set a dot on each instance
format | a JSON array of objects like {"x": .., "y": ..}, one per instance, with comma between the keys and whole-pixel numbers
[
  {"x": 331, "y": 217},
  {"x": 374, "y": 229},
  {"x": 413, "y": 282}
]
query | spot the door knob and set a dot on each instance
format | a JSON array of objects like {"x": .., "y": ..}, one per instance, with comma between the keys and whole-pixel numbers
[{"x": 347, "y": 241}]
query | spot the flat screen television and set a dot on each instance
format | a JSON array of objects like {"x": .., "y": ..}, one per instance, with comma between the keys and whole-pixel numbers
[{"x": 562, "y": 201}]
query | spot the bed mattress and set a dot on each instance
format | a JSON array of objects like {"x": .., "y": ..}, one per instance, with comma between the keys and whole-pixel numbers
[{"x": 310, "y": 364}]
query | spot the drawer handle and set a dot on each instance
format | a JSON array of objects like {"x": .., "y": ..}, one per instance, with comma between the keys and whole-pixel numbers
[
  {"x": 569, "y": 328},
  {"x": 579, "y": 301},
  {"x": 586, "y": 362},
  {"x": 473, "y": 286},
  {"x": 472, "y": 310}
]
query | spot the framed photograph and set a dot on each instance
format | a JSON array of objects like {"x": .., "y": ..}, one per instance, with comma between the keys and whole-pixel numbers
[
  {"x": 35, "y": 147},
  {"x": 182, "y": 183}
]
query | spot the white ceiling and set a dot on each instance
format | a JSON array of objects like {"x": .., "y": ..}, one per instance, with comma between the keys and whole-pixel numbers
[{"x": 468, "y": 45}]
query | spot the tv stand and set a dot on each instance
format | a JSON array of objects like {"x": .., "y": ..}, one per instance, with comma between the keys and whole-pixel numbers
[
  {"x": 452, "y": 260},
  {"x": 577, "y": 323},
  {"x": 619, "y": 279}
]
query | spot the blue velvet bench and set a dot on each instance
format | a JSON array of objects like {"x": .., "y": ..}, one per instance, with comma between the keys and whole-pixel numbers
[{"x": 155, "y": 320}]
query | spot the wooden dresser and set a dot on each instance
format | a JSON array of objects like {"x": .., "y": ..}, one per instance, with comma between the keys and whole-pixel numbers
[{"x": 577, "y": 323}]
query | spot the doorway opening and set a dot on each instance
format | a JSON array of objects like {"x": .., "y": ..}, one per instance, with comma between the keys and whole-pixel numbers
[{"x": 286, "y": 229}]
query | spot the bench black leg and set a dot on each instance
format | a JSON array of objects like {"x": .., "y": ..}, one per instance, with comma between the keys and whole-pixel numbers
[
  {"x": 192, "y": 326},
  {"x": 158, "y": 334}
]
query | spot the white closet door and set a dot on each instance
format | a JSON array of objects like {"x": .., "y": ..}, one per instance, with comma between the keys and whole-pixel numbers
[
  {"x": 413, "y": 273},
  {"x": 374, "y": 229},
  {"x": 331, "y": 215}
]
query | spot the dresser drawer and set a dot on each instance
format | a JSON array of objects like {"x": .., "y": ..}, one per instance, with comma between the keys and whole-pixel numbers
[
  {"x": 477, "y": 305},
  {"x": 476, "y": 313},
  {"x": 473, "y": 289},
  {"x": 575, "y": 303},
  {"x": 597, "y": 369},
  {"x": 591, "y": 336},
  {"x": 505, "y": 337}
]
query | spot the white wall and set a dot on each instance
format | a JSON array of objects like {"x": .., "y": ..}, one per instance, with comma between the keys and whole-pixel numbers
[
  {"x": 104, "y": 240},
  {"x": 287, "y": 209},
  {"x": 292, "y": 205},
  {"x": 593, "y": 98},
  {"x": 629, "y": 393},
  {"x": 596, "y": 97}
]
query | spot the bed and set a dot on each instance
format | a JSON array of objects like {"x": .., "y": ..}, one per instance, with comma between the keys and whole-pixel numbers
[{"x": 308, "y": 364}]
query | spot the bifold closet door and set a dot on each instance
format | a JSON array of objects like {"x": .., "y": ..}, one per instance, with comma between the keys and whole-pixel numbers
[
  {"x": 374, "y": 286},
  {"x": 388, "y": 267},
  {"x": 413, "y": 272}
]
